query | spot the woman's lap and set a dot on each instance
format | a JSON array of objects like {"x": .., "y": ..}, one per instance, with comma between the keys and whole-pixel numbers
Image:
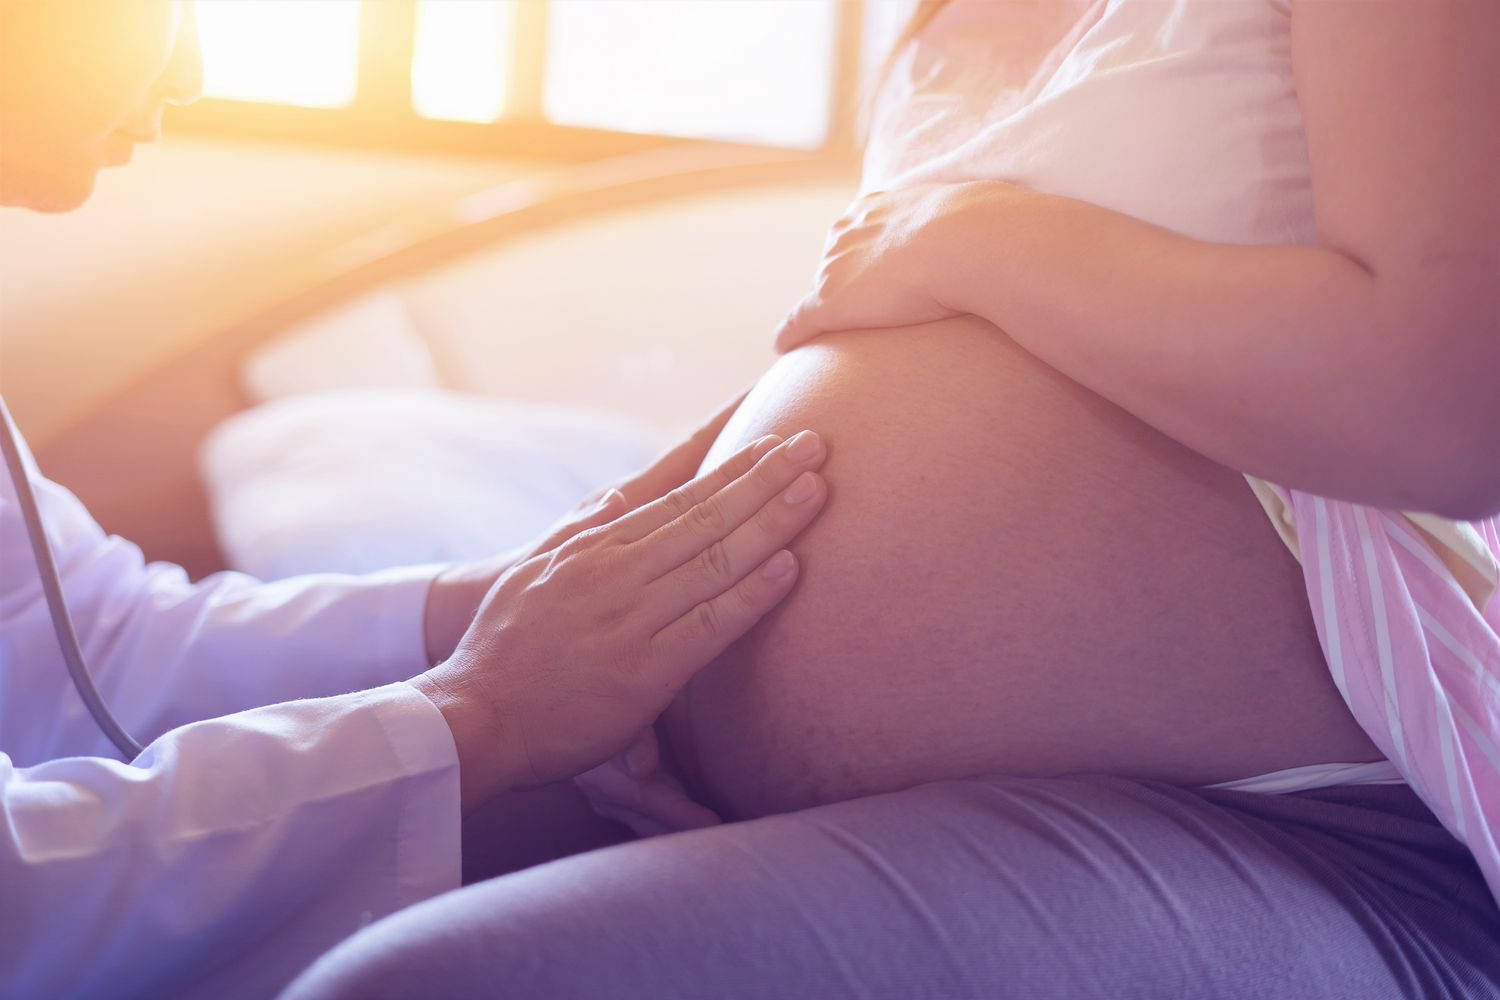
[{"x": 982, "y": 887}]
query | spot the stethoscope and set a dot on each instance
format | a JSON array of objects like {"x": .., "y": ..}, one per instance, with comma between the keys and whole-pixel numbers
[{"x": 46, "y": 568}]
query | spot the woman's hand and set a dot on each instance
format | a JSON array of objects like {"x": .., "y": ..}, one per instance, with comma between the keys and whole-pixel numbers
[
  {"x": 886, "y": 260},
  {"x": 578, "y": 649},
  {"x": 633, "y": 789}
]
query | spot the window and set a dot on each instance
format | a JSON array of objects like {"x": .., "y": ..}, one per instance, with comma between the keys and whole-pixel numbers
[
  {"x": 746, "y": 70},
  {"x": 302, "y": 52},
  {"x": 458, "y": 67},
  {"x": 569, "y": 77}
]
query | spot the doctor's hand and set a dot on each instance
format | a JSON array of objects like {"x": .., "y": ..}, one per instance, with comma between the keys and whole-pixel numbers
[
  {"x": 577, "y": 649},
  {"x": 454, "y": 597}
]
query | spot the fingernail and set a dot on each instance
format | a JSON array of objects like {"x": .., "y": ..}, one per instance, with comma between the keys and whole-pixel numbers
[
  {"x": 764, "y": 445},
  {"x": 779, "y": 565},
  {"x": 805, "y": 447},
  {"x": 802, "y": 489},
  {"x": 612, "y": 499}
]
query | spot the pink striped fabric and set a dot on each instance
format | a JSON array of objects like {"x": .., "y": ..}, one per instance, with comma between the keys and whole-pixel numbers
[{"x": 1417, "y": 662}]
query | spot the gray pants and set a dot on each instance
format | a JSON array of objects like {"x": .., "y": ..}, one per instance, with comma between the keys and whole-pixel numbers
[{"x": 1074, "y": 888}]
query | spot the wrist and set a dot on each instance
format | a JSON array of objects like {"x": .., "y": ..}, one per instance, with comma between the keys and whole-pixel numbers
[
  {"x": 965, "y": 244},
  {"x": 483, "y": 770}
]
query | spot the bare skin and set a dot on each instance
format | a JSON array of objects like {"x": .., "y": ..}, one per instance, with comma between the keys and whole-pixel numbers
[{"x": 1018, "y": 577}]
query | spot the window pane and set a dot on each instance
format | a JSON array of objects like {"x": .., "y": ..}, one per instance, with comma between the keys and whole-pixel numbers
[
  {"x": 751, "y": 70},
  {"x": 287, "y": 51},
  {"x": 458, "y": 71}
]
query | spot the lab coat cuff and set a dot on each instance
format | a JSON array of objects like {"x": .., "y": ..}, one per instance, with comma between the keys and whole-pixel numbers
[
  {"x": 428, "y": 828},
  {"x": 399, "y": 629}
]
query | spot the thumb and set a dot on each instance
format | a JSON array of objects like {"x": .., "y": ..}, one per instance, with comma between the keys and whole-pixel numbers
[
  {"x": 609, "y": 507},
  {"x": 798, "y": 327}
]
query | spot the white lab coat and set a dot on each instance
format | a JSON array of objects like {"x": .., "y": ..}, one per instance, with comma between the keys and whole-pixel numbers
[{"x": 245, "y": 840}]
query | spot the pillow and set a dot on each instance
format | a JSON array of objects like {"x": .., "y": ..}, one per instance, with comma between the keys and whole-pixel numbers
[
  {"x": 367, "y": 343},
  {"x": 363, "y": 479}
]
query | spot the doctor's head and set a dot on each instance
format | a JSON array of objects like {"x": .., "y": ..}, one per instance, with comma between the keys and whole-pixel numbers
[{"x": 82, "y": 81}]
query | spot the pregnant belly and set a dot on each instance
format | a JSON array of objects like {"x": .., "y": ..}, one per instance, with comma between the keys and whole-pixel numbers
[{"x": 1012, "y": 576}]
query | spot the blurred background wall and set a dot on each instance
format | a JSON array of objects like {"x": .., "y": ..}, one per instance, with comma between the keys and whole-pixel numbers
[
  {"x": 324, "y": 119},
  {"x": 192, "y": 235}
]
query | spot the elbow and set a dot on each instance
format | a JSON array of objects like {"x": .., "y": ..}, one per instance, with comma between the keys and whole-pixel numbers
[
  {"x": 1472, "y": 499},
  {"x": 1452, "y": 422},
  {"x": 1456, "y": 473},
  {"x": 1468, "y": 501}
]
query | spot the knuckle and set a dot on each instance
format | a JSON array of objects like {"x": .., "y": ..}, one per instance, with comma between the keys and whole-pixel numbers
[
  {"x": 679, "y": 501},
  {"x": 714, "y": 564},
  {"x": 749, "y": 597},
  {"x": 768, "y": 520},
  {"x": 708, "y": 516},
  {"x": 707, "y": 622},
  {"x": 580, "y": 542},
  {"x": 652, "y": 653}
]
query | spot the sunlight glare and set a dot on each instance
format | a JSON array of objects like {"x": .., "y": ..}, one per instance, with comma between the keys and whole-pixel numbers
[
  {"x": 302, "y": 52},
  {"x": 458, "y": 69},
  {"x": 748, "y": 70}
]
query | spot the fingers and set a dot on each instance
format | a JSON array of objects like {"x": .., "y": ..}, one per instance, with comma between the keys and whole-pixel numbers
[
  {"x": 681, "y": 814},
  {"x": 668, "y": 472},
  {"x": 649, "y": 802},
  {"x": 642, "y": 522},
  {"x": 632, "y": 821},
  {"x": 664, "y": 800},
  {"x": 724, "y": 563},
  {"x": 685, "y": 645},
  {"x": 681, "y": 463},
  {"x": 733, "y": 529},
  {"x": 632, "y": 789}
]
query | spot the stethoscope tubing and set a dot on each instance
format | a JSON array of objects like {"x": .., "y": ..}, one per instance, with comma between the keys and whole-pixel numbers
[{"x": 62, "y": 623}]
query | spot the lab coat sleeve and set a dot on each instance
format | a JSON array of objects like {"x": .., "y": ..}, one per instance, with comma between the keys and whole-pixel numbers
[
  {"x": 231, "y": 852},
  {"x": 165, "y": 652}
]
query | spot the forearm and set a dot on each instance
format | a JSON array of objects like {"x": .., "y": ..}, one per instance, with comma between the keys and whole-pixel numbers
[{"x": 1295, "y": 363}]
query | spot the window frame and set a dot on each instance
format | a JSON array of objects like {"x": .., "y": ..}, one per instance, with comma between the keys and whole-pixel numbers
[{"x": 383, "y": 117}]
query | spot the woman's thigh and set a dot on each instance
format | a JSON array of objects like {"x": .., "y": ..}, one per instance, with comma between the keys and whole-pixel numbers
[
  {"x": 1039, "y": 888},
  {"x": 1012, "y": 576}
]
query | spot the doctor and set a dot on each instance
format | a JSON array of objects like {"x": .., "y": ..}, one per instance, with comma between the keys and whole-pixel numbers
[{"x": 312, "y": 743}]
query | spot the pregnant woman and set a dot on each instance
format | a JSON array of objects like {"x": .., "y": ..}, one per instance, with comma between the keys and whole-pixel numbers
[{"x": 1051, "y": 713}]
